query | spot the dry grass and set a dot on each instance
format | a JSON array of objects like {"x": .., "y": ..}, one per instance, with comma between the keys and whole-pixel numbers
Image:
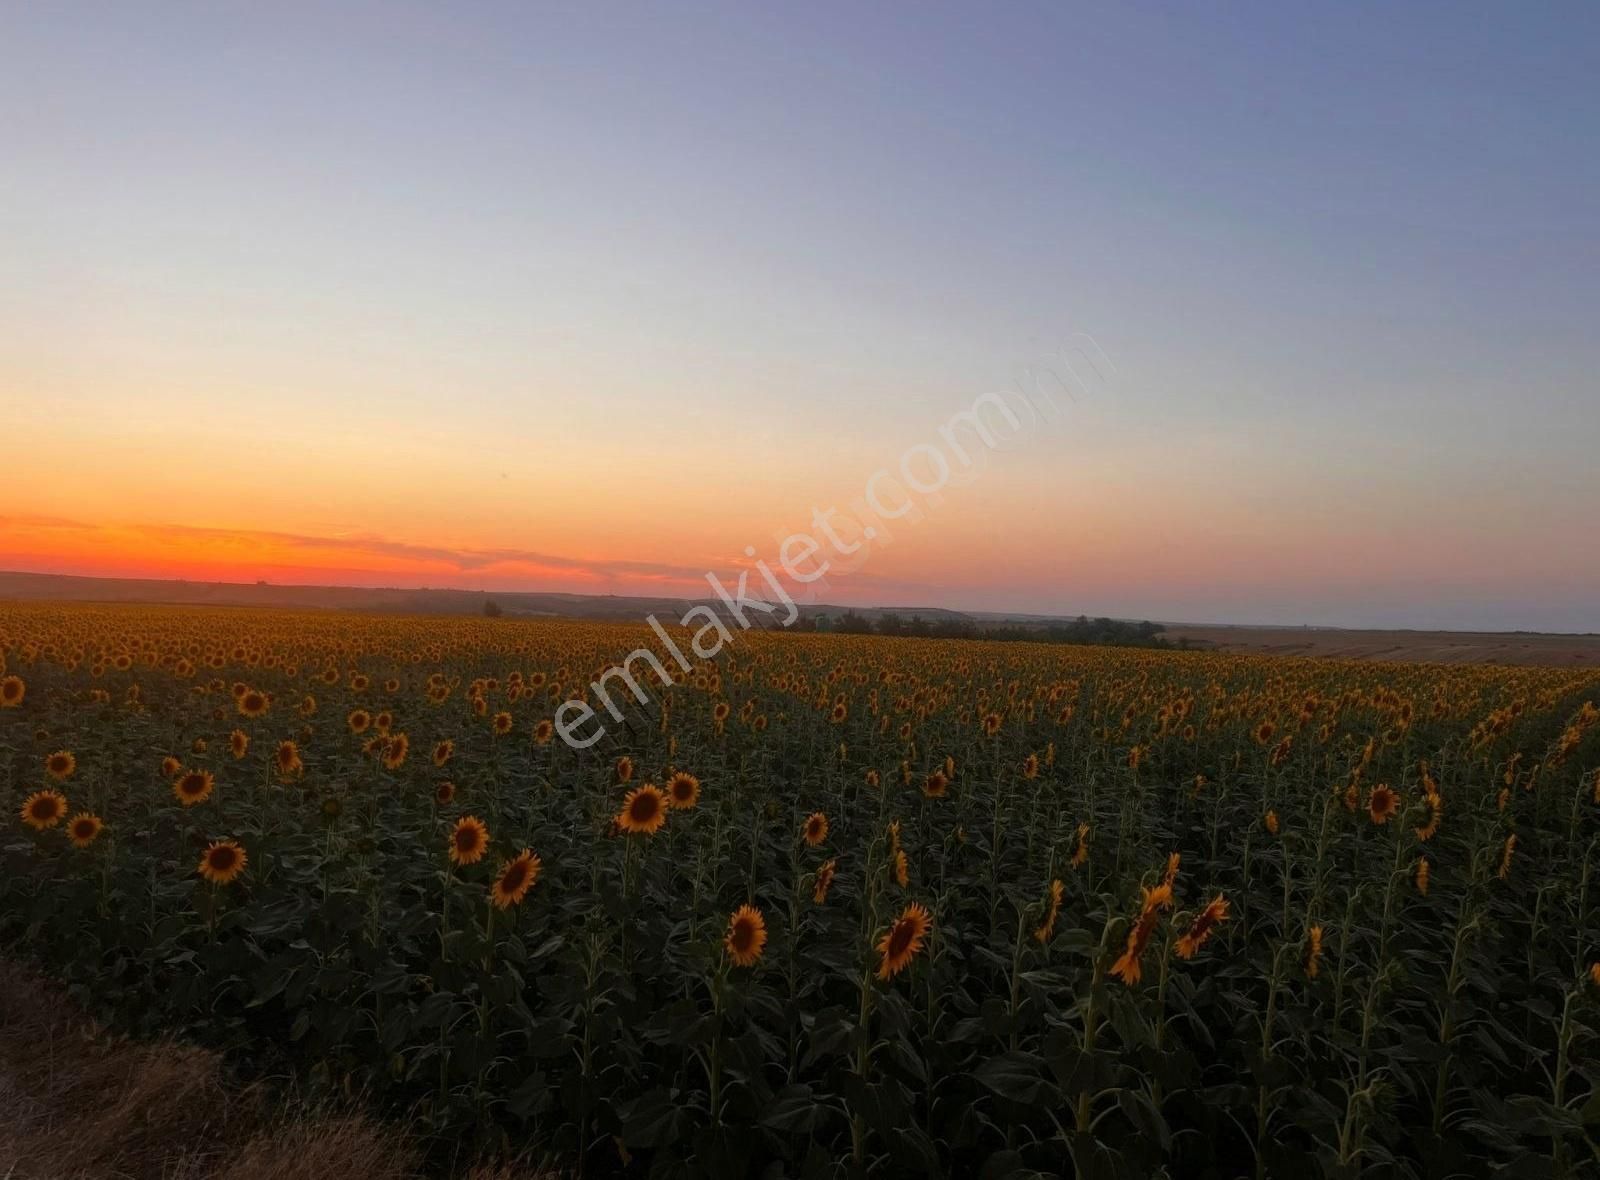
[{"x": 82, "y": 1105}]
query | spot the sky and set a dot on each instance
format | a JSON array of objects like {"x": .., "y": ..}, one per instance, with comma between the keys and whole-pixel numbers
[{"x": 596, "y": 297}]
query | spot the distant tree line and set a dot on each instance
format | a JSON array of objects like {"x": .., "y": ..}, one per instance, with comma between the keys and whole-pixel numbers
[{"x": 1107, "y": 632}]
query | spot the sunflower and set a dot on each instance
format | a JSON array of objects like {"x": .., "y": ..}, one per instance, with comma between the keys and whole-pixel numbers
[
  {"x": 901, "y": 942},
  {"x": 816, "y": 829},
  {"x": 501, "y": 724},
  {"x": 443, "y": 793},
  {"x": 991, "y": 724},
  {"x": 543, "y": 732},
  {"x": 395, "y": 749},
  {"x": 12, "y": 690},
  {"x": 624, "y": 769},
  {"x": 252, "y": 704},
  {"x": 1594, "y": 973},
  {"x": 1382, "y": 804},
  {"x": 1214, "y": 915},
  {"x": 287, "y": 760},
  {"x": 359, "y": 721},
  {"x": 60, "y": 765},
  {"x": 902, "y": 868},
  {"x": 746, "y": 937},
  {"x": 839, "y": 713},
  {"x": 1424, "y": 870},
  {"x": 683, "y": 791},
  {"x": 873, "y": 779},
  {"x": 44, "y": 809},
  {"x": 84, "y": 828},
  {"x": 193, "y": 786},
  {"x": 468, "y": 841},
  {"x": 1128, "y": 967},
  {"x": 825, "y": 874},
  {"x": 644, "y": 810},
  {"x": 1429, "y": 829},
  {"x": 1081, "y": 855},
  {"x": 1047, "y": 928},
  {"x": 223, "y": 861},
  {"x": 936, "y": 785},
  {"x": 383, "y": 722},
  {"x": 1313, "y": 951},
  {"x": 443, "y": 752},
  {"x": 1271, "y": 820},
  {"x": 238, "y": 743},
  {"x": 1030, "y": 766},
  {"x": 170, "y": 766},
  {"x": 516, "y": 877},
  {"x": 1174, "y": 859},
  {"x": 1505, "y": 856}
]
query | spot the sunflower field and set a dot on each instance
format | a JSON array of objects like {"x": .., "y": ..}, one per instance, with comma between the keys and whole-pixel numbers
[{"x": 828, "y": 905}]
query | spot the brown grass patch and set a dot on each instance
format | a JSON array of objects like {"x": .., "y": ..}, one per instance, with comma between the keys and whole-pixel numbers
[{"x": 80, "y": 1104}]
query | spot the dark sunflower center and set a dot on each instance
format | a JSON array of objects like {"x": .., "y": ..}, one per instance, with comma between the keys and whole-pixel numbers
[
  {"x": 515, "y": 875},
  {"x": 644, "y": 808},
  {"x": 744, "y": 935},
  {"x": 223, "y": 859},
  {"x": 900, "y": 938}
]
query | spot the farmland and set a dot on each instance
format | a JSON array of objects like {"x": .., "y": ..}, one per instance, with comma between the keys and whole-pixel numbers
[{"x": 833, "y": 903}]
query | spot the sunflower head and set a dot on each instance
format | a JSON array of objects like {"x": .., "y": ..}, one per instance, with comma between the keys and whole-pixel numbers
[
  {"x": 746, "y": 937},
  {"x": 83, "y": 829},
  {"x": 624, "y": 769},
  {"x": 469, "y": 840},
  {"x": 903, "y": 940},
  {"x": 12, "y": 690},
  {"x": 238, "y": 743},
  {"x": 825, "y": 874},
  {"x": 252, "y": 703},
  {"x": 517, "y": 876},
  {"x": 443, "y": 793},
  {"x": 683, "y": 790},
  {"x": 1382, "y": 804},
  {"x": 44, "y": 809},
  {"x": 359, "y": 721},
  {"x": 60, "y": 765},
  {"x": 443, "y": 752},
  {"x": 287, "y": 760},
  {"x": 223, "y": 861},
  {"x": 170, "y": 766},
  {"x": 502, "y": 724},
  {"x": 644, "y": 810},
  {"x": 193, "y": 787},
  {"x": 395, "y": 748},
  {"x": 816, "y": 829},
  {"x": 544, "y": 731}
]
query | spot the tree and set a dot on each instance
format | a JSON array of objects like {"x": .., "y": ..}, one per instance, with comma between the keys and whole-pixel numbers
[{"x": 491, "y": 609}]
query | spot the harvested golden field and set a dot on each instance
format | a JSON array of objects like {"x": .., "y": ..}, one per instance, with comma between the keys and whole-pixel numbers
[{"x": 826, "y": 904}]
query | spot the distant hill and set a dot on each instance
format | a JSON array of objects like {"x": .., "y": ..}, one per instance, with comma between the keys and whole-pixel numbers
[{"x": 393, "y": 600}]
